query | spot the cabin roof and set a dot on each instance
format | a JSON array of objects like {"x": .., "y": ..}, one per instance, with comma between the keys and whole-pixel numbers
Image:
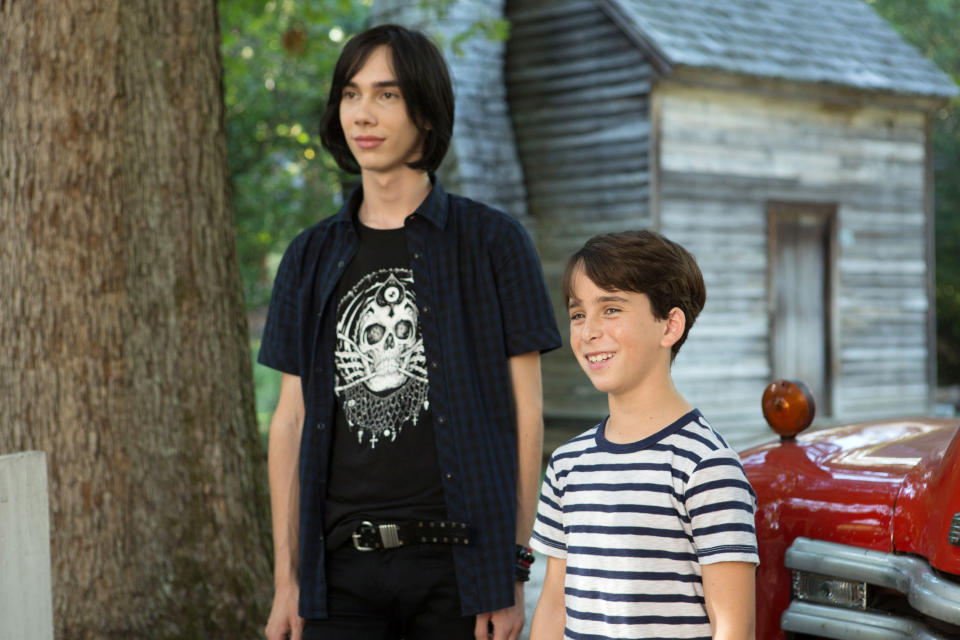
[{"x": 843, "y": 42}]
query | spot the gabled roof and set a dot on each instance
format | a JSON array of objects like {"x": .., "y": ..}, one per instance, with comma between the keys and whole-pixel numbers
[{"x": 841, "y": 42}]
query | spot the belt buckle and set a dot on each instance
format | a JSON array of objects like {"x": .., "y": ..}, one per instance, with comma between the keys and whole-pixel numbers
[
  {"x": 388, "y": 533},
  {"x": 364, "y": 527}
]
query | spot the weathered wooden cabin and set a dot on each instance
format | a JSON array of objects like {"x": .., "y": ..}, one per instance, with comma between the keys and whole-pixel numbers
[{"x": 785, "y": 143}]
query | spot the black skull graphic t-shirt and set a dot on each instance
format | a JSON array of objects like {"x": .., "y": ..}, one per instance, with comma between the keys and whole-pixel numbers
[{"x": 383, "y": 465}]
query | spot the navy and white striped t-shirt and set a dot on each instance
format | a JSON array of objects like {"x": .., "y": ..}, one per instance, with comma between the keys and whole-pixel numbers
[{"x": 636, "y": 521}]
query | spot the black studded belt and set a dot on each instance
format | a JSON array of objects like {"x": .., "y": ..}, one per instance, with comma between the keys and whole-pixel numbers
[{"x": 370, "y": 537}]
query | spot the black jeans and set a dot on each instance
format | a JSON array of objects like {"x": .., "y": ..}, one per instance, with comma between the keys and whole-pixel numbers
[{"x": 407, "y": 593}]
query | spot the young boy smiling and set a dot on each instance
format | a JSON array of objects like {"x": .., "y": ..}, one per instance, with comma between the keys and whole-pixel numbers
[{"x": 647, "y": 519}]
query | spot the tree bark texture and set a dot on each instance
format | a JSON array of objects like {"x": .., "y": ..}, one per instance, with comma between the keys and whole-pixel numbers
[{"x": 123, "y": 341}]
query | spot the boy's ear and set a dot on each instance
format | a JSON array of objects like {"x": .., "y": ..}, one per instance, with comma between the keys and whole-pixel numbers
[{"x": 675, "y": 323}]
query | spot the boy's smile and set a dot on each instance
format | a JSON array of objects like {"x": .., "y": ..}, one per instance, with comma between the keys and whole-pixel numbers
[{"x": 597, "y": 360}]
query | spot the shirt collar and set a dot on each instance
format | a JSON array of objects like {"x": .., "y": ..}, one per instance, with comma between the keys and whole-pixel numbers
[{"x": 433, "y": 208}]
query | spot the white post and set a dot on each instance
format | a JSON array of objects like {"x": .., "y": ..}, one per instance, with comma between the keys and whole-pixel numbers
[{"x": 26, "y": 603}]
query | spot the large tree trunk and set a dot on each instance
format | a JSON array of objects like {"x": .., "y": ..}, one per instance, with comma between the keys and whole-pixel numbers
[{"x": 122, "y": 331}]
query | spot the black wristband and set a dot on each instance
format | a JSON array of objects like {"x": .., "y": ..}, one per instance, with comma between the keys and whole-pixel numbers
[
  {"x": 524, "y": 560},
  {"x": 524, "y": 555}
]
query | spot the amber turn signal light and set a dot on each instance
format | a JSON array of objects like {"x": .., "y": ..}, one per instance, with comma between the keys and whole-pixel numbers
[{"x": 788, "y": 407}]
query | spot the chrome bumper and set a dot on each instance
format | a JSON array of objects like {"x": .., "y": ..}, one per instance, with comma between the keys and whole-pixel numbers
[
  {"x": 926, "y": 592},
  {"x": 833, "y": 622}
]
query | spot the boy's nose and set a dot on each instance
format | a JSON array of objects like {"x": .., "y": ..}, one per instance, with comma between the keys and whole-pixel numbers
[
  {"x": 362, "y": 114},
  {"x": 591, "y": 330}
]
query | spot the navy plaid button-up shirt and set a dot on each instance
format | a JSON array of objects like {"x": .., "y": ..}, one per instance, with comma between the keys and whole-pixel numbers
[{"x": 482, "y": 299}]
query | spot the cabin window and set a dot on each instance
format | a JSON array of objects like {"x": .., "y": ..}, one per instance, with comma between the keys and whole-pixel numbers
[{"x": 801, "y": 269}]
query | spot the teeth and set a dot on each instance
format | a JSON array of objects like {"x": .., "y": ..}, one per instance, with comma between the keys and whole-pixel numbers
[{"x": 600, "y": 357}]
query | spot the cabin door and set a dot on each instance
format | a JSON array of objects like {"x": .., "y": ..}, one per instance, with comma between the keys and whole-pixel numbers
[{"x": 801, "y": 241}]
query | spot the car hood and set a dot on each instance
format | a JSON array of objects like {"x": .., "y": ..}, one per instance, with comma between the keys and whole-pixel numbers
[
  {"x": 929, "y": 500},
  {"x": 886, "y": 485}
]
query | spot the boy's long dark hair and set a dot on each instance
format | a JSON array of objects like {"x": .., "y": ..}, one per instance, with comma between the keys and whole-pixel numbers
[
  {"x": 424, "y": 82},
  {"x": 642, "y": 262}
]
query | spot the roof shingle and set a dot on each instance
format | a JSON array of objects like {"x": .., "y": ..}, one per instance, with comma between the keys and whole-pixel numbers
[{"x": 841, "y": 42}]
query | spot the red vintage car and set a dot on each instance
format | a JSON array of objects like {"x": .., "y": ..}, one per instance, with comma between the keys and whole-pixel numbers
[{"x": 858, "y": 526}]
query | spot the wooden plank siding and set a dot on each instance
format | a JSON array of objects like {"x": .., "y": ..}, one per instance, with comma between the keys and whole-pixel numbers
[
  {"x": 578, "y": 92},
  {"x": 724, "y": 156}
]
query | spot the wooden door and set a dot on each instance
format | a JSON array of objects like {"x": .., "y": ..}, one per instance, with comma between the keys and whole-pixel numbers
[{"x": 801, "y": 265}]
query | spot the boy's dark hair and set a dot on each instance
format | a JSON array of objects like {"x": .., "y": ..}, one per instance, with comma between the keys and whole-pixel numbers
[
  {"x": 642, "y": 262},
  {"x": 424, "y": 82}
]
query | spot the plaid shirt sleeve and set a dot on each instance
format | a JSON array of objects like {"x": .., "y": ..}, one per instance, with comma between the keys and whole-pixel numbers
[
  {"x": 279, "y": 346},
  {"x": 528, "y": 321}
]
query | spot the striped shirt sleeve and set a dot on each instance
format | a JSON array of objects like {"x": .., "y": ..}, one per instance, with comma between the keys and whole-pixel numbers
[
  {"x": 548, "y": 536},
  {"x": 721, "y": 505}
]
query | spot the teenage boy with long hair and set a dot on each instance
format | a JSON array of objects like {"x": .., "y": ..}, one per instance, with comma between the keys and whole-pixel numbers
[{"x": 404, "y": 451}]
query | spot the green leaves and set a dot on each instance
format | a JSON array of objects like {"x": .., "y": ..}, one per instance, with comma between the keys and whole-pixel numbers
[
  {"x": 278, "y": 57},
  {"x": 494, "y": 30}
]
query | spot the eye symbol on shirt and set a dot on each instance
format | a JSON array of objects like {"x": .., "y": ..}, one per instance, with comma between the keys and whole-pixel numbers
[{"x": 390, "y": 294}]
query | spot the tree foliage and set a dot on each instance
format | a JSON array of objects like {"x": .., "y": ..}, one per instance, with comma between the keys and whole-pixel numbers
[
  {"x": 278, "y": 59},
  {"x": 932, "y": 27}
]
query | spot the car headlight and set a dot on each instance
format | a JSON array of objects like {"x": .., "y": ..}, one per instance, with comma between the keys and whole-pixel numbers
[{"x": 815, "y": 587}]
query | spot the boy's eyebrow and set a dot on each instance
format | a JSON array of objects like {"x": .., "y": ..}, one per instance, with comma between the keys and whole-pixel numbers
[
  {"x": 612, "y": 299},
  {"x": 574, "y": 302},
  {"x": 376, "y": 85}
]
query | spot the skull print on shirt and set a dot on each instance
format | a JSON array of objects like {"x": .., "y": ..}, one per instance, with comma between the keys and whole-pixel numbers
[{"x": 380, "y": 363}]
